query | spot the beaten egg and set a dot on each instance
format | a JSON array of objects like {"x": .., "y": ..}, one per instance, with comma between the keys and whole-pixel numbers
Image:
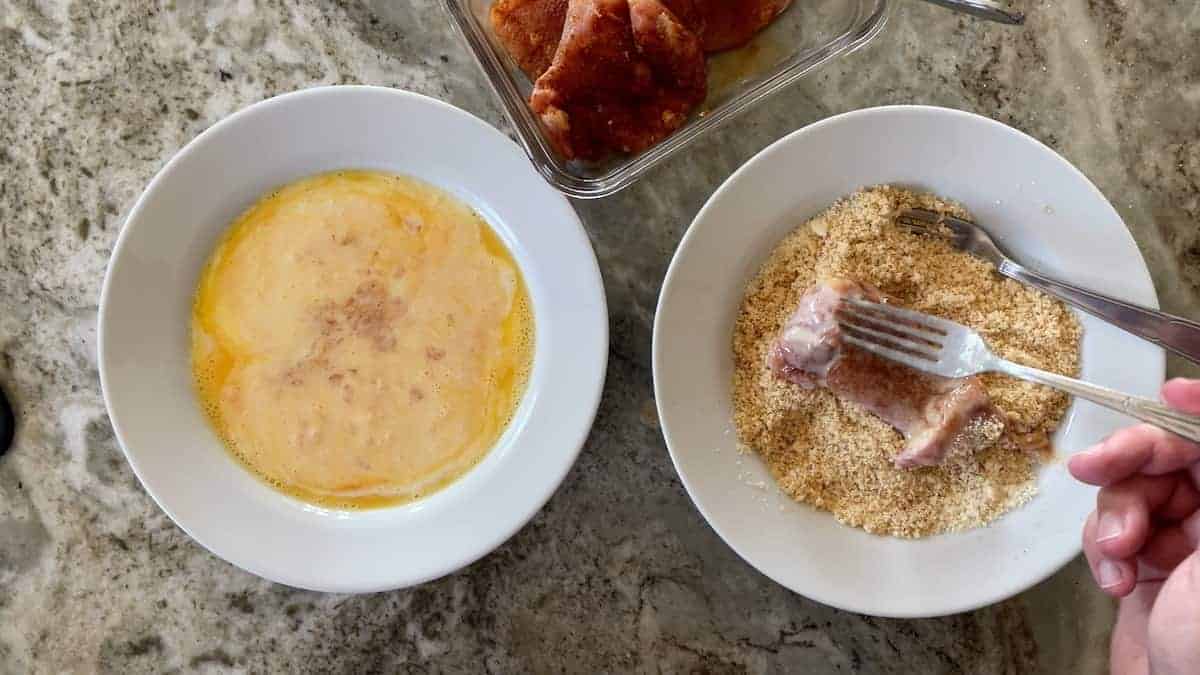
[{"x": 360, "y": 339}]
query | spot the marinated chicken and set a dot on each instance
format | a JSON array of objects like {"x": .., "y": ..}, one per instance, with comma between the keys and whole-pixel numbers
[
  {"x": 726, "y": 24},
  {"x": 529, "y": 30},
  {"x": 935, "y": 415},
  {"x": 621, "y": 75},
  {"x": 626, "y": 75}
]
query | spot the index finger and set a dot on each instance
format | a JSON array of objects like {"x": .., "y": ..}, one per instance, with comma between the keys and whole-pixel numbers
[
  {"x": 1182, "y": 394},
  {"x": 1141, "y": 449}
]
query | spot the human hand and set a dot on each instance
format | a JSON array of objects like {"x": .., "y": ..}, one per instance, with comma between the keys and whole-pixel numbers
[{"x": 1141, "y": 541}]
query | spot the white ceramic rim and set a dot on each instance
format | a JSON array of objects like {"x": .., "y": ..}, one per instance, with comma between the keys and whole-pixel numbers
[
  {"x": 813, "y": 592},
  {"x": 564, "y": 429}
]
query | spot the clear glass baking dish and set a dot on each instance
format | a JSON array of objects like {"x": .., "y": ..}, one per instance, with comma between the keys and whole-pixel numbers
[{"x": 809, "y": 34}]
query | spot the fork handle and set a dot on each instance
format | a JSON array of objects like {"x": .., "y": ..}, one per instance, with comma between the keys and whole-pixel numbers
[
  {"x": 984, "y": 9},
  {"x": 1175, "y": 333},
  {"x": 1144, "y": 409}
]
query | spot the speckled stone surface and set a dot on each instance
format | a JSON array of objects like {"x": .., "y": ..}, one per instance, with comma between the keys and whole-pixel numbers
[{"x": 619, "y": 572}]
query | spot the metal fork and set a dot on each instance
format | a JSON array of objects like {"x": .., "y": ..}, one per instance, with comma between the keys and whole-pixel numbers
[
  {"x": 947, "y": 349},
  {"x": 984, "y": 9},
  {"x": 1175, "y": 333}
]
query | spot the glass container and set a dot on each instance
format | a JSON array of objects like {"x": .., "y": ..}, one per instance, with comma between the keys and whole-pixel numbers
[{"x": 806, "y": 36}]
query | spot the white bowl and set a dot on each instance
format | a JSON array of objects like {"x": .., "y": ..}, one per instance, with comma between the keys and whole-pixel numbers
[
  {"x": 1039, "y": 207},
  {"x": 144, "y": 323}
]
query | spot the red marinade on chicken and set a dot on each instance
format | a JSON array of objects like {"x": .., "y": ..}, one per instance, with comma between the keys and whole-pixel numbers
[
  {"x": 625, "y": 76},
  {"x": 621, "y": 75}
]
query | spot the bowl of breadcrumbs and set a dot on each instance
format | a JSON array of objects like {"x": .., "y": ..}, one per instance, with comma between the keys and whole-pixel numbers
[
  {"x": 835, "y": 455},
  {"x": 804, "y": 484}
]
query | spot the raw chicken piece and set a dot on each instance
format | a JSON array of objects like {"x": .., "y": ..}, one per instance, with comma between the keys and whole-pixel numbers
[
  {"x": 620, "y": 75},
  {"x": 625, "y": 76},
  {"x": 529, "y": 30},
  {"x": 935, "y": 414},
  {"x": 725, "y": 24}
]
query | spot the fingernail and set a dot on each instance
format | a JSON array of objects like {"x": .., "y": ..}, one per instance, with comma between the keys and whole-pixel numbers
[
  {"x": 1109, "y": 573},
  {"x": 1110, "y": 527}
]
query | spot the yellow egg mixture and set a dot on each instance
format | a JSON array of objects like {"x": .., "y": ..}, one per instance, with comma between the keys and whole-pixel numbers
[{"x": 360, "y": 339}]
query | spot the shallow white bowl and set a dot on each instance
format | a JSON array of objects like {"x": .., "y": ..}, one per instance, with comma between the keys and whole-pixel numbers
[
  {"x": 144, "y": 324},
  {"x": 1037, "y": 205}
]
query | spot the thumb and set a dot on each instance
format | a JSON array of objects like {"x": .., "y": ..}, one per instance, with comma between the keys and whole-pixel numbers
[
  {"x": 1175, "y": 621},
  {"x": 1182, "y": 394}
]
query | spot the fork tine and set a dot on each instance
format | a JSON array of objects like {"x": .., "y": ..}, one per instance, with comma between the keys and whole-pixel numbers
[
  {"x": 887, "y": 325},
  {"x": 919, "y": 221},
  {"x": 893, "y": 335},
  {"x": 919, "y": 228},
  {"x": 910, "y": 318},
  {"x": 933, "y": 219},
  {"x": 922, "y": 215},
  {"x": 903, "y": 358}
]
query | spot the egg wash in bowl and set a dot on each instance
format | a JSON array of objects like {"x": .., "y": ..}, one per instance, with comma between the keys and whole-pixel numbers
[{"x": 360, "y": 339}]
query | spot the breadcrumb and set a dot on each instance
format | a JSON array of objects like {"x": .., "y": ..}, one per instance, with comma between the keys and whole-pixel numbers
[{"x": 836, "y": 456}]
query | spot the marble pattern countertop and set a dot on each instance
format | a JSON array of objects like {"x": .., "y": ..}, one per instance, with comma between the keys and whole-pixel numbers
[{"x": 618, "y": 572}]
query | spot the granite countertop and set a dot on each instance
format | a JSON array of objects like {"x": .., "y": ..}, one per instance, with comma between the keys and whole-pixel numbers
[{"x": 618, "y": 572}]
